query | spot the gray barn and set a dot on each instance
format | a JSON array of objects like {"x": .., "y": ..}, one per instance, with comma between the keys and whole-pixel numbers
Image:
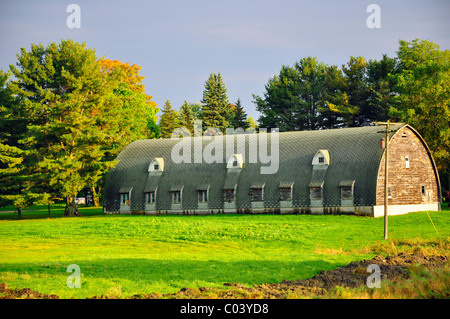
[{"x": 327, "y": 171}]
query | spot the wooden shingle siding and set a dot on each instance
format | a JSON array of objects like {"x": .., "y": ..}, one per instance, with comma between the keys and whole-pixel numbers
[{"x": 406, "y": 183}]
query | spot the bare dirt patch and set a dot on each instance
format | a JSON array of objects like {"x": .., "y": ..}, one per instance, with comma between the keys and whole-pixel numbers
[
  {"x": 353, "y": 275},
  {"x": 25, "y": 293}
]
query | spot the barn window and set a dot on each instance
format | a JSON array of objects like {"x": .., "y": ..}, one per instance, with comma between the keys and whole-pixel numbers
[
  {"x": 423, "y": 190},
  {"x": 235, "y": 161},
  {"x": 202, "y": 196},
  {"x": 156, "y": 165},
  {"x": 346, "y": 192},
  {"x": 202, "y": 193},
  {"x": 315, "y": 192},
  {"x": 150, "y": 197},
  {"x": 229, "y": 195},
  {"x": 322, "y": 157},
  {"x": 176, "y": 197},
  {"x": 286, "y": 191},
  {"x": 285, "y": 194},
  {"x": 125, "y": 195},
  {"x": 176, "y": 194},
  {"x": 346, "y": 188},
  {"x": 125, "y": 199},
  {"x": 406, "y": 161},
  {"x": 257, "y": 194}
]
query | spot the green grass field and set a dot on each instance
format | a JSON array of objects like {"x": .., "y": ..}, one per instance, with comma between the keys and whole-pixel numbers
[{"x": 123, "y": 255}]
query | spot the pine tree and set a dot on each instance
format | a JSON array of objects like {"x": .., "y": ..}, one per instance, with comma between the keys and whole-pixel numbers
[
  {"x": 169, "y": 120},
  {"x": 328, "y": 117},
  {"x": 73, "y": 117},
  {"x": 18, "y": 178},
  {"x": 238, "y": 116},
  {"x": 215, "y": 105},
  {"x": 72, "y": 114},
  {"x": 187, "y": 116},
  {"x": 293, "y": 98},
  {"x": 196, "y": 108}
]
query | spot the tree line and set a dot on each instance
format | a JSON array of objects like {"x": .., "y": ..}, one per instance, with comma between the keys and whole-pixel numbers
[
  {"x": 66, "y": 113},
  {"x": 64, "y": 117},
  {"x": 412, "y": 87},
  {"x": 215, "y": 111}
]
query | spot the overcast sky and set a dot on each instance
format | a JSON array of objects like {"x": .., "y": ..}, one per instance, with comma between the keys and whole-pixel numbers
[{"x": 179, "y": 44}]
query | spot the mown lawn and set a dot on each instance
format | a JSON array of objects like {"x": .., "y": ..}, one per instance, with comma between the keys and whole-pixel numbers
[{"x": 123, "y": 255}]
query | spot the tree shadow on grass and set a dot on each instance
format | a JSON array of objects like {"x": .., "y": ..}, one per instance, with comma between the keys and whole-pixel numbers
[
  {"x": 43, "y": 213},
  {"x": 167, "y": 276}
]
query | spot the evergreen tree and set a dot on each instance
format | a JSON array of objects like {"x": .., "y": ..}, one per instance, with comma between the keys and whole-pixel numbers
[
  {"x": 350, "y": 99},
  {"x": 215, "y": 105},
  {"x": 238, "y": 116},
  {"x": 356, "y": 90},
  {"x": 381, "y": 88},
  {"x": 294, "y": 98},
  {"x": 169, "y": 120},
  {"x": 362, "y": 92},
  {"x": 73, "y": 117},
  {"x": 333, "y": 95},
  {"x": 196, "y": 108},
  {"x": 187, "y": 117},
  {"x": 18, "y": 170}
]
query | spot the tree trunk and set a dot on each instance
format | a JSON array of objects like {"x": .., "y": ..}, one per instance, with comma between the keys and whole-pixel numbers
[
  {"x": 448, "y": 177},
  {"x": 71, "y": 207},
  {"x": 95, "y": 197},
  {"x": 19, "y": 212},
  {"x": 48, "y": 207}
]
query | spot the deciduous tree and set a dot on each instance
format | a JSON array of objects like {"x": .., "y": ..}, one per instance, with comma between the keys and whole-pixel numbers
[{"x": 423, "y": 95}]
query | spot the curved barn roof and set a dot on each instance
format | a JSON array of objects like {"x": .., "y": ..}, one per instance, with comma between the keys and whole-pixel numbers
[{"x": 354, "y": 155}]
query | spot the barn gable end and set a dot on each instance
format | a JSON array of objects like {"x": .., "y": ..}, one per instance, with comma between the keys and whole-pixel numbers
[{"x": 413, "y": 178}]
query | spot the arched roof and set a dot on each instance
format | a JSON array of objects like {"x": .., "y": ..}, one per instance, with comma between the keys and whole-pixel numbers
[{"x": 354, "y": 153}]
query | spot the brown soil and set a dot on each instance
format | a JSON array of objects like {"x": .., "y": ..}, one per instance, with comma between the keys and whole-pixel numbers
[
  {"x": 354, "y": 274},
  {"x": 25, "y": 293}
]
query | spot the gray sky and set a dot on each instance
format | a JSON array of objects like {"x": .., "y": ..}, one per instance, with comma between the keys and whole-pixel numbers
[{"x": 179, "y": 43}]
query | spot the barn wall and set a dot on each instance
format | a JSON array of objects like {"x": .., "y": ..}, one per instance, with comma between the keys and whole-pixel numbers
[{"x": 406, "y": 183}]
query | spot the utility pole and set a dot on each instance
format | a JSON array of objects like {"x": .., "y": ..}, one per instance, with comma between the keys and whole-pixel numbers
[{"x": 386, "y": 170}]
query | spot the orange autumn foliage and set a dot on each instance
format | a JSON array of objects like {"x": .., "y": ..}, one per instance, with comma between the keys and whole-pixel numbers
[{"x": 129, "y": 74}]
